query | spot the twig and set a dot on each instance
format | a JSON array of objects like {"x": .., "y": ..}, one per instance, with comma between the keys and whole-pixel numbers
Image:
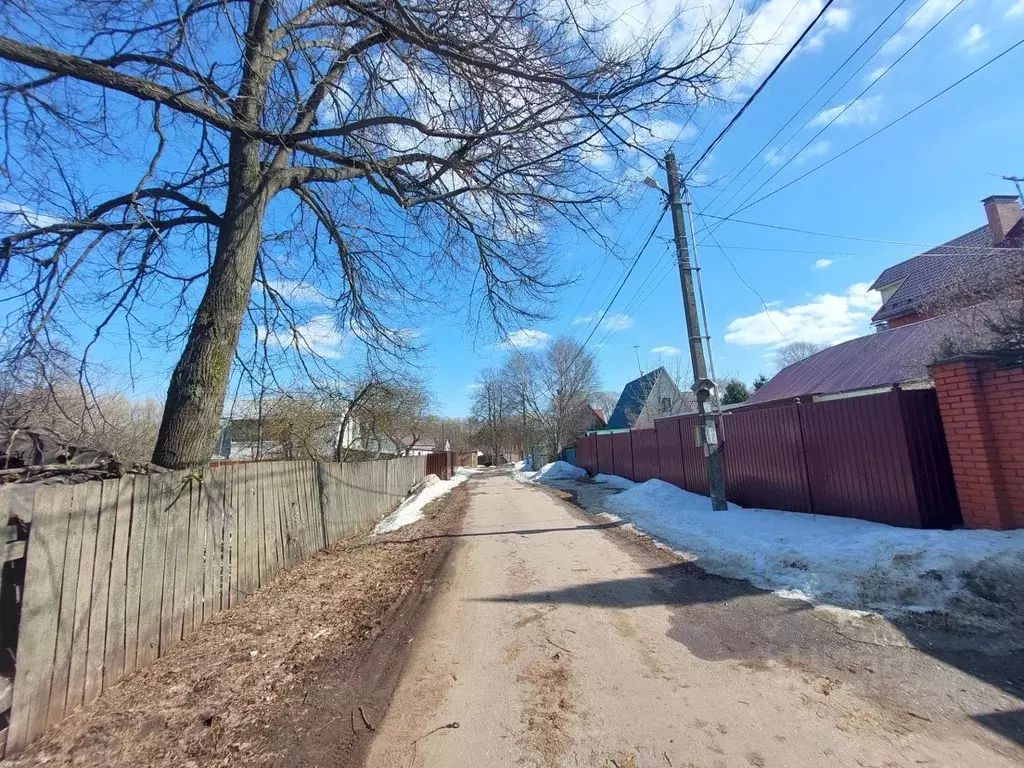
[
  {"x": 667, "y": 759},
  {"x": 452, "y": 725},
  {"x": 559, "y": 647},
  {"x": 365, "y": 721}
]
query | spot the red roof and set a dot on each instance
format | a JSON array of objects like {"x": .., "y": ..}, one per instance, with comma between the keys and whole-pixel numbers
[{"x": 889, "y": 357}]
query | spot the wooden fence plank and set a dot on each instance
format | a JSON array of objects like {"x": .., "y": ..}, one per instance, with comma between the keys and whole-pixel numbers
[
  {"x": 176, "y": 512},
  {"x": 274, "y": 518},
  {"x": 245, "y": 518},
  {"x": 151, "y": 588},
  {"x": 97, "y": 635},
  {"x": 37, "y": 639},
  {"x": 241, "y": 519},
  {"x": 138, "y": 491},
  {"x": 83, "y": 599},
  {"x": 114, "y": 649},
  {"x": 235, "y": 495},
  {"x": 263, "y": 573},
  {"x": 213, "y": 490},
  {"x": 252, "y": 528},
  {"x": 295, "y": 513},
  {"x": 288, "y": 531},
  {"x": 193, "y": 616}
]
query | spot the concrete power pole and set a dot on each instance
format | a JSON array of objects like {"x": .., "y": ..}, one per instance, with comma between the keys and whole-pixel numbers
[{"x": 702, "y": 385}]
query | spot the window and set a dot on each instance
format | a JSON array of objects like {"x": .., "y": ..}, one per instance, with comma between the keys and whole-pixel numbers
[{"x": 666, "y": 404}]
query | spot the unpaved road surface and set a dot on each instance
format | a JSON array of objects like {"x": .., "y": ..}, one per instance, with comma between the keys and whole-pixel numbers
[{"x": 560, "y": 639}]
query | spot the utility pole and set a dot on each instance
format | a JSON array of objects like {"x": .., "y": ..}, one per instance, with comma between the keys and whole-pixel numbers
[
  {"x": 636, "y": 351},
  {"x": 702, "y": 385}
]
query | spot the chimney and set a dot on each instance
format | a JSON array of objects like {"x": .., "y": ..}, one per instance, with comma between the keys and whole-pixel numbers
[{"x": 1003, "y": 212}]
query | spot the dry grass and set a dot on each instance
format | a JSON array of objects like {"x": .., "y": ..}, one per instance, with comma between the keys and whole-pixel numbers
[{"x": 217, "y": 697}]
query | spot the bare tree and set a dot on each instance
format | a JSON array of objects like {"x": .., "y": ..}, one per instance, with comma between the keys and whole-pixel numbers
[
  {"x": 605, "y": 401},
  {"x": 794, "y": 352},
  {"x": 569, "y": 379},
  {"x": 396, "y": 415},
  {"x": 494, "y": 410},
  {"x": 162, "y": 157}
]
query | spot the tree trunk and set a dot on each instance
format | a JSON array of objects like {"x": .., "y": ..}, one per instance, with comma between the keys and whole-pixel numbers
[{"x": 195, "y": 397}]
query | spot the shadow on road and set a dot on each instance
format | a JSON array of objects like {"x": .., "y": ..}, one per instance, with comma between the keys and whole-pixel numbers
[{"x": 720, "y": 619}]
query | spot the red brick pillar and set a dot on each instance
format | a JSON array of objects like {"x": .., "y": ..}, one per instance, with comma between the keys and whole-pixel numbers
[{"x": 963, "y": 403}]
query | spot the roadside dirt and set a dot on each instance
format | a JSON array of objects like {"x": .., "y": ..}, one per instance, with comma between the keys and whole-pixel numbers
[
  {"x": 562, "y": 639},
  {"x": 299, "y": 674}
]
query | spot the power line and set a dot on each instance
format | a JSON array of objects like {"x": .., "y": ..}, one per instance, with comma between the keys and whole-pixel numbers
[
  {"x": 736, "y": 85},
  {"x": 622, "y": 283},
  {"x": 761, "y": 87},
  {"x": 743, "y": 280},
  {"x": 848, "y": 105},
  {"x": 810, "y": 98},
  {"x": 854, "y": 238},
  {"x": 881, "y": 130}
]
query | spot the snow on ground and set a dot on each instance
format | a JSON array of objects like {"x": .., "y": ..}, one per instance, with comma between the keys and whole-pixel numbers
[
  {"x": 834, "y": 560},
  {"x": 614, "y": 481},
  {"x": 425, "y": 491},
  {"x": 551, "y": 472}
]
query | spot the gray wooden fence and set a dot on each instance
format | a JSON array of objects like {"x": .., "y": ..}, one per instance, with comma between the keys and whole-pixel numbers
[{"x": 119, "y": 571}]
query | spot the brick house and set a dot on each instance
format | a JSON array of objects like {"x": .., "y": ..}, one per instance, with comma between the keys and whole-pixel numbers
[
  {"x": 959, "y": 273},
  {"x": 947, "y": 292}
]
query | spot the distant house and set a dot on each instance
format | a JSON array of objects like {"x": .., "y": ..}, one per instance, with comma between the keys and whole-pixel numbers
[
  {"x": 597, "y": 421},
  {"x": 421, "y": 446},
  {"x": 947, "y": 292},
  {"x": 652, "y": 396},
  {"x": 963, "y": 272},
  {"x": 246, "y": 439}
]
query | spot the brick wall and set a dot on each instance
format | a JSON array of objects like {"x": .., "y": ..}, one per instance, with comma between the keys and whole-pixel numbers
[{"x": 982, "y": 409}]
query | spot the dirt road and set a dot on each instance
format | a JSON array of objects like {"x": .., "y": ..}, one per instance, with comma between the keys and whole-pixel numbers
[{"x": 560, "y": 639}]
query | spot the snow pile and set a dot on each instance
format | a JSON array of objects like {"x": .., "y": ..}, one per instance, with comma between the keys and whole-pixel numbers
[
  {"x": 845, "y": 562},
  {"x": 425, "y": 491},
  {"x": 613, "y": 481},
  {"x": 558, "y": 470},
  {"x": 524, "y": 466}
]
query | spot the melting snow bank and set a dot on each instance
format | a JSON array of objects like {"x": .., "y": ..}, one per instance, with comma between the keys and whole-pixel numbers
[
  {"x": 614, "y": 481},
  {"x": 425, "y": 491},
  {"x": 844, "y": 562},
  {"x": 556, "y": 470}
]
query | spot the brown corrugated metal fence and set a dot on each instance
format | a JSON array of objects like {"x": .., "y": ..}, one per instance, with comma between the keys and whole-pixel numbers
[
  {"x": 442, "y": 464},
  {"x": 879, "y": 457}
]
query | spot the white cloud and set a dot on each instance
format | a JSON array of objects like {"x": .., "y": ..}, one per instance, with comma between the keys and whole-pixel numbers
[
  {"x": 930, "y": 11},
  {"x": 877, "y": 72},
  {"x": 525, "y": 339},
  {"x": 319, "y": 336},
  {"x": 927, "y": 14},
  {"x": 296, "y": 290},
  {"x": 857, "y": 112},
  {"x": 827, "y": 319},
  {"x": 1016, "y": 10},
  {"x": 25, "y": 216},
  {"x": 664, "y": 131},
  {"x": 667, "y": 351},
  {"x": 474, "y": 385},
  {"x": 774, "y": 26},
  {"x": 618, "y": 322},
  {"x": 776, "y": 157},
  {"x": 817, "y": 149},
  {"x": 823, "y": 263},
  {"x": 835, "y": 19},
  {"x": 973, "y": 37}
]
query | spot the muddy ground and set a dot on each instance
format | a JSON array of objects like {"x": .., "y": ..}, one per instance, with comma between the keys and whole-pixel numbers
[{"x": 299, "y": 674}]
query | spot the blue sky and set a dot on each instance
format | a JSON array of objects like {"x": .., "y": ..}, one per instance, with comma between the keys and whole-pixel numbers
[{"x": 919, "y": 182}]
